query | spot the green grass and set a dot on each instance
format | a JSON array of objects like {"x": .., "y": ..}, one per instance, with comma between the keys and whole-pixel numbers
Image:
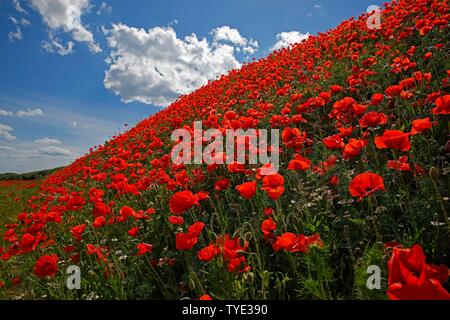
[{"x": 13, "y": 198}]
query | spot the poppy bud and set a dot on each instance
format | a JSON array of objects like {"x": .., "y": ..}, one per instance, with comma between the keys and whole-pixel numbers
[
  {"x": 248, "y": 236},
  {"x": 434, "y": 174},
  {"x": 191, "y": 284}
]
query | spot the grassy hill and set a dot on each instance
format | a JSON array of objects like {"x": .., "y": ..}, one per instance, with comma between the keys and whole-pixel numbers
[{"x": 363, "y": 181}]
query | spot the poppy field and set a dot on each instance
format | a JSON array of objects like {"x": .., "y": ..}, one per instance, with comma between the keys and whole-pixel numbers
[{"x": 363, "y": 183}]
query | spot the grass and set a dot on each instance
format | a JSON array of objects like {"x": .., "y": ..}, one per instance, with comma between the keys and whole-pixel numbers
[{"x": 13, "y": 198}]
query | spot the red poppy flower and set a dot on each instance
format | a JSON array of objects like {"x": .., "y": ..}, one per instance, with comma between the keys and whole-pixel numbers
[
  {"x": 208, "y": 253},
  {"x": 377, "y": 98},
  {"x": 126, "y": 212},
  {"x": 273, "y": 185},
  {"x": 421, "y": 125},
  {"x": 247, "y": 189},
  {"x": 143, "y": 248},
  {"x": 365, "y": 184},
  {"x": 393, "y": 139},
  {"x": 268, "y": 227},
  {"x": 133, "y": 232},
  {"x": 411, "y": 278},
  {"x": 176, "y": 220},
  {"x": 205, "y": 297},
  {"x": 393, "y": 91},
  {"x": 222, "y": 184},
  {"x": 46, "y": 266},
  {"x": 196, "y": 228},
  {"x": 16, "y": 281},
  {"x": 99, "y": 222},
  {"x": 442, "y": 105},
  {"x": 373, "y": 119},
  {"x": 78, "y": 231},
  {"x": 291, "y": 242},
  {"x": 187, "y": 240},
  {"x": 184, "y": 200},
  {"x": 333, "y": 142},
  {"x": 400, "y": 165},
  {"x": 299, "y": 163},
  {"x": 353, "y": 148},
  {"x": 334, "y": 180}
]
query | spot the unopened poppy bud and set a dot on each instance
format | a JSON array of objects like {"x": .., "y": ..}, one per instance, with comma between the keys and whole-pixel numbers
[
  {"x": 191, "y": 284},
  {"x": 434, "y": 174},
  {"x": 248, "y": 236}
]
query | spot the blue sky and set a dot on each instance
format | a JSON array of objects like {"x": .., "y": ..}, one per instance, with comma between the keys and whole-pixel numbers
[{"x": 73, "y": 72}]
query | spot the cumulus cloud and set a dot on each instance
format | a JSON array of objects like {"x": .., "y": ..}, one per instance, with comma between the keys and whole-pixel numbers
[
  {"x": 285, "y": 39},
  {"x": 65, "y": 15},
  {"x": 47, "y": 141},
  {"x": 5, "y": 113},
  {"x": 29, "y": 113},
  {"x": 5, "y": 132},
  {"x": 54, "y": 151},
  {"x": 225, "y": 33},
  {"x": 154, "y": 66}
]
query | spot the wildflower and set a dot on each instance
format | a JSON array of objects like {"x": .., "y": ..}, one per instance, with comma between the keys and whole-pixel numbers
[
  {"x": 268, "y": 227},
  {"x": 299, "y": 163},
  {"x": 247, "y": 189},
  {"x": 184, "y": 200},
  {"x": 411, "y": 278},
  {"x": 273, "y": 185},
  {"x": 365, "y": 184},
  {"x": 143, "y": 248},
  {"x": 393, "y": 139},
  {"x": 46, "y": 266},
  {"x": 78, "y": 231}
]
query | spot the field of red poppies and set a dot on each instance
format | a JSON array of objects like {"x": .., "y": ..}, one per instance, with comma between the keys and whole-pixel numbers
[{"x": 363, "y": 183}]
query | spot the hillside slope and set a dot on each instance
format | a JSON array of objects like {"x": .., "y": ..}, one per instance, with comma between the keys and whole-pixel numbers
[{"x": 363, "y": 179}]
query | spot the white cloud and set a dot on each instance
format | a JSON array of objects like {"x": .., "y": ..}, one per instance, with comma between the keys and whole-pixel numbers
[
  {"x": 5, "y": 113},
  {"x": 15, "y": 35},
  {"x": 232, "y": 35},
  {"x": 155, "y": 66},
  {"x": 47, "y": 141},
  {"x": 5, "y": 132},
  {"x": 54, "y": 151},
  {"x": 29, "y": 113},
  {"x": 23, "y": 22},
  {"x": 66, "y": 15},
  {"x": 55, "y": 46},
  {"x": 318, "y": 6},
  {"x": 7, "y": 148},
  {"x": 19, "y": 7},
  {"x": 285, "y": 39},
  {"x": 104, "y": 8}
]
